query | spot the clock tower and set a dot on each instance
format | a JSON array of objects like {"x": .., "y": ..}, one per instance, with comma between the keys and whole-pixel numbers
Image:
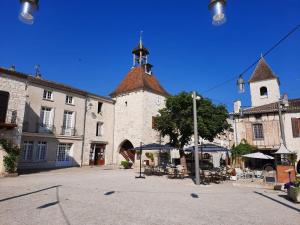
[{"x": 138, "y": 98}]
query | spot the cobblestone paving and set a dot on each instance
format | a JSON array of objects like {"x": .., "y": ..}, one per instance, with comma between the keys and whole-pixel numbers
[{"x": 96, "y": 196}]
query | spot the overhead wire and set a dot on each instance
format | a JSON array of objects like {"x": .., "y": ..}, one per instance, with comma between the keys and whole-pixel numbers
[{"x": 292, "y": 31}]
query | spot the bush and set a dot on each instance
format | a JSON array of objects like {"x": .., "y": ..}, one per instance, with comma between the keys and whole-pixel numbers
[
  {"x": 126, "y": 164},
  {"x": 10, "y": 160}
]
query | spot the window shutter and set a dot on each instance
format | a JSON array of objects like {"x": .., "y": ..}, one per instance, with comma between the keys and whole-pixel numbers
[{"x": 296, "y": 127}]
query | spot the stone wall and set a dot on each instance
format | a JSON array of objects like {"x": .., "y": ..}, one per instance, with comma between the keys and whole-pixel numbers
[
  {"x": 17, "y": 98},
  {"x": 106, "y": 116},
  {"x": 273, "y": 92}
]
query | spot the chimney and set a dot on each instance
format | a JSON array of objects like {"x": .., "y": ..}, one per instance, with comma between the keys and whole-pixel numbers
[{"x": 237, "y": 106}]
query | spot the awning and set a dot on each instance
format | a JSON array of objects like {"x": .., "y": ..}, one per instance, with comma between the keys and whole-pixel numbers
[{"x": 153, "y": 146}]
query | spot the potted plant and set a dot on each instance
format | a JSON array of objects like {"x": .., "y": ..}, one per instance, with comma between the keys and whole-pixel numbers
[
  {"x": 126, "y": 164},
  {"x": 294, "y": 191}
]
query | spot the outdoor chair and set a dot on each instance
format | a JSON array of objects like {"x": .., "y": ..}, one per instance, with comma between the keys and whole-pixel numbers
[
  {"x": 180, "y": 171},
  {"x": 207, "y": 176},
  {"x": 171, "y": 173},
  {"x": 239, "y": 173}
]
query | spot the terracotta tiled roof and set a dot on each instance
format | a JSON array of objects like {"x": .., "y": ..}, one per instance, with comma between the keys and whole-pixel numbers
[
  {"x": 138, "y": 79},
  {"x": 293, "y": 107},
  {"x": 262, "y": 72}
]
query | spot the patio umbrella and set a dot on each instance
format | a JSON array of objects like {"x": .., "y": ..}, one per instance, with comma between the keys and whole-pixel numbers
[{"x": 258, "y": 155}]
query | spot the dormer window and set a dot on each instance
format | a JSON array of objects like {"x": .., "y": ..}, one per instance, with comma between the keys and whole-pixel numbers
[{"x": 263, "y": 92}]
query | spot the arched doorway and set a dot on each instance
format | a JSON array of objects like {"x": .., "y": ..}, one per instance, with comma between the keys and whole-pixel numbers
[
  {"x": 126, "y": 150},
  {"x": 298, "y": 167}
]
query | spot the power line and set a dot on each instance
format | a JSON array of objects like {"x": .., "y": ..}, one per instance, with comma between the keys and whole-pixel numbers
[{"x": 256, "y": 61}]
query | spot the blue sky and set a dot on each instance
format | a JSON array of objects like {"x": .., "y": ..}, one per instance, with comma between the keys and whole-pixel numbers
[{"x": 88, "y": 43}]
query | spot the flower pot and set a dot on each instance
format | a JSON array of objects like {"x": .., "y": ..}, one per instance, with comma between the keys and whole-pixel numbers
[{"x": 294, "y": 194}]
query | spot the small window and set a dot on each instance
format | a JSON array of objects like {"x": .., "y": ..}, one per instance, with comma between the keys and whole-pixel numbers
[
  {"x": 154, "y": 122},
  {"x": 263, "y": 92},
  {"x": 48, "y": 95},
  {"x": 99, "y": 129},
  {"x": 69, "y": 100},
  {"x": 258, "y": 131},
  {"x": 100, "y": 104},
  {"x": 41, "y": 151},
  {"x": 296, "y": 127},
  {"x": 27, "y": 150}
]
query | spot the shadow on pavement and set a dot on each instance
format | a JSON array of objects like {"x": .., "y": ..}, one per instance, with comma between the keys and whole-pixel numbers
[
  {"x": 29, "y": 193},
  {"x": 47, "y": 205},
  {"x": 275, "y": 200},
  {"x": 194, "y": 195}
]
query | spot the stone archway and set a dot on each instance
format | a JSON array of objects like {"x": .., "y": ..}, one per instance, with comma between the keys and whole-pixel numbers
[
  {"x": 126, "y": 151},
  {"x": 298, "y": 167}
]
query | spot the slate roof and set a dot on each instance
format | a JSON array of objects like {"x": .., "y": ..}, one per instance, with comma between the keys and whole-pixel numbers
[
  {"x": 137, "y": 79},
  {"x": 293, "y": 107},
  {"x": 262, "y": 72}
]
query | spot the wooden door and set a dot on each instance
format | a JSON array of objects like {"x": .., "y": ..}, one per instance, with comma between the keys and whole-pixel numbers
[{"x": 100, "y": 155}]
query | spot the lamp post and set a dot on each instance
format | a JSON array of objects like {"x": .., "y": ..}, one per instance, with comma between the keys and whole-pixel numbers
[
  {"x": 28, "y": 8},
  {"x": 217, "y": 8},
  {"x": 140, "y": 176},
  {"x": 197, "y": 171}
]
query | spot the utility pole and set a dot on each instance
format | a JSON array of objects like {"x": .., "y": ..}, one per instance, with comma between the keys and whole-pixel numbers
[
  {"x": 197, "y": 171},
  {"x": 281, "y": 123}
]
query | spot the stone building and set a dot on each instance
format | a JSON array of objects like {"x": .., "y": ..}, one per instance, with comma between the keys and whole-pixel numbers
[
  {"x": 138, "y": 99},
  {"x": 62, "y": 126},
  {"x": 12, "y": 106},
  {"x": 58, "y": 125},
  {"x": 260, "y": 124}
]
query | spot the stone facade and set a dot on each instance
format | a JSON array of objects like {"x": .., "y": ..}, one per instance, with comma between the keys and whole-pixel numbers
[
  {"x": 16, "y": 87},
  {"x": 133, "y": 119},
  {"x": 273, "y": 91},
  {"x": 106, "y": 118}
]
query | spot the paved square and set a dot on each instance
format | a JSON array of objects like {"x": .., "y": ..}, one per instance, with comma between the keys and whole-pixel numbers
[{"x": 96, "y": 196}]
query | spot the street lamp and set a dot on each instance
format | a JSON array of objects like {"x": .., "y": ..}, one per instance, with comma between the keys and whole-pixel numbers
[
  {"x": 28, "y": 8},
  {"x": 197, "y": 169},
  {"x": 241, "y": 84},
  {"x": 217, "y": 8}
]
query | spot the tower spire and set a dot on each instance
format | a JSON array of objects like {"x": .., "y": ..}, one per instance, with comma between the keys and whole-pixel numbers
[{"x": 140, "y": 53}]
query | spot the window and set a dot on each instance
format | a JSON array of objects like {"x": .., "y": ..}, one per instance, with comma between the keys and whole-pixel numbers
[
  {"x": 100, "y": 104},
  {"x": 41, "y": 151},
  {"x": 258, "y": 131},
  {"x": 99, "y": 129},
  {"x": 263, "y": 92},
  {"x": 4, "y": 97},
  {"x": 27, "y": 150},
  {"x": 69, "y": 100},
  {"x": 68, "y": 122},
  {"x": 48, "y": 95},
  {"x": 46, "y": 118},
  {"x": 153, "y": 122},
  {"x": 63, "y": 152},
  {"x": 296, "y": 127}
]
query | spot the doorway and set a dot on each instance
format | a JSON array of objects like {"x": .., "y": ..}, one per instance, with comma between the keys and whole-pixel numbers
[{"x": 97, "y": 155}]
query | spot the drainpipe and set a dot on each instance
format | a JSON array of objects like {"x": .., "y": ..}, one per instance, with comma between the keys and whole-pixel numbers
[
  {"x": 84, "y": 123},
  {"x": 281, "y": 124}
]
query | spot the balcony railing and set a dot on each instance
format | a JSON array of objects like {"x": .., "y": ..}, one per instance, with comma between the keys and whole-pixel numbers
[
  {"x": 46, "y": 128},
  {"x": 68, "y": 131}
]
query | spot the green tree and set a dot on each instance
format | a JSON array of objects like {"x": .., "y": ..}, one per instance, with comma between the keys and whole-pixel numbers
[
  {"x": 10, "y": 160},
  {"x": 176, "y": 120},
  {"x": 242, "y": 149}
]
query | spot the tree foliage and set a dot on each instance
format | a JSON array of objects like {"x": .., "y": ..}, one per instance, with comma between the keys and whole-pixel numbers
[
  {"x": 242, "y": 149},
  {"x": 10, "y": 160},
  {"x": 176, "y": 119}
]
